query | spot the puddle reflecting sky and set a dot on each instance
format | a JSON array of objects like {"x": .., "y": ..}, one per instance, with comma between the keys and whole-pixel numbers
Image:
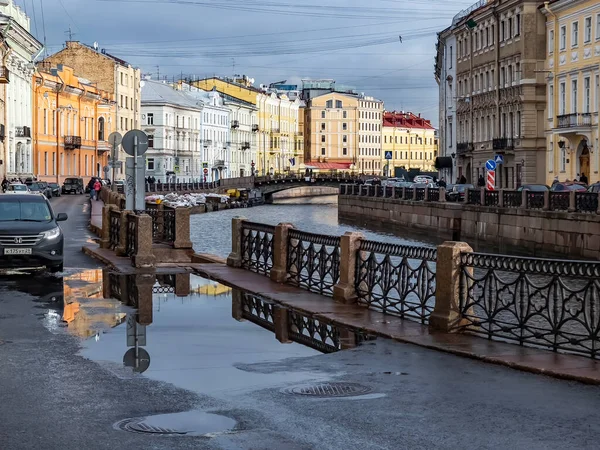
[{"x": 192, "y": 340}]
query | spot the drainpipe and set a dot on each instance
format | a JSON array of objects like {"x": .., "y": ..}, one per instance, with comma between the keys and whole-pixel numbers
[
  {"x": 57, "y": 123},
  {"x": 79, "y": 97}
]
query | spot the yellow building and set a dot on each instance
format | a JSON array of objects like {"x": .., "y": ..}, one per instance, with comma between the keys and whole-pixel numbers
[
  {"x": 278, "y": 121},
  {"x": 409, "y": 142},
  {"x": 71, "y": 123},
  {"x": 573, "y": 92},
  {"x": 331, "y": 132}
]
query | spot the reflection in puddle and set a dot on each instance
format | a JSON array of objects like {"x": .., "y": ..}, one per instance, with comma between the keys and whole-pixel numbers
[{"x": 182, "y": 332}]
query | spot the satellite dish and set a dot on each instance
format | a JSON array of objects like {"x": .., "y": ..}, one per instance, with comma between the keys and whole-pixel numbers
[{"x": 96, "y": 46}]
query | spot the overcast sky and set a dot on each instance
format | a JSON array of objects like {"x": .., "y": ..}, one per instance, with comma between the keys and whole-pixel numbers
[{"x": 354, "y": 42}]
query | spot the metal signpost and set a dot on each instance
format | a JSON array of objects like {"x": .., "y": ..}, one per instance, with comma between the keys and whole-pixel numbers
[
  {"x": 490, "y": 166},
  {"x": 114, "y": 139},
  {"x": 135, "y": 144}
]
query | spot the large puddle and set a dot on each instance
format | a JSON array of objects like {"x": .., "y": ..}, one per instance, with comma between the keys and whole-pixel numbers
[{"x": 175, "y": 328}]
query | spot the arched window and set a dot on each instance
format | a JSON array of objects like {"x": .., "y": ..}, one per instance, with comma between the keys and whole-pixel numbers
[{"x": 101, "y": 129}]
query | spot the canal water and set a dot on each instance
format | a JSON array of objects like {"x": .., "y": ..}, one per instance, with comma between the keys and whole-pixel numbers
[{"x": 211, "y": 233}]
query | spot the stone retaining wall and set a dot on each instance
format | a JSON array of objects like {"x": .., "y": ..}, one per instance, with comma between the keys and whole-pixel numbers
[{"x": 572, "y": 234}]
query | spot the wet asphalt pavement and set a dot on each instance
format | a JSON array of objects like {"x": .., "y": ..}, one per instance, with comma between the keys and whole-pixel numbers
[{"x": 63, "y": 385}]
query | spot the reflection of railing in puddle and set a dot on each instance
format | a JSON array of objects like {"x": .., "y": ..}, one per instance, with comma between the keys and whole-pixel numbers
[{"x": 293, "y": 326}]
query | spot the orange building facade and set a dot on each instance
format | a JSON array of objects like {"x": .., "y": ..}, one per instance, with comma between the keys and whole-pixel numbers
[{"x": 72, "y": 120}]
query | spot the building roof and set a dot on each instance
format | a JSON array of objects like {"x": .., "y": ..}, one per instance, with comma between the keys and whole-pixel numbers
[
  {"x": 406, "y": 120},
  {"x": 158, "y": 92}
]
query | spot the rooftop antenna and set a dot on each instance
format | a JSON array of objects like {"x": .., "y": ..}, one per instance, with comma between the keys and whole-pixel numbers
[
  {"x": 158, "y": 73},
  {"x": 70, "y": 34},
  {"x": 233, "y": 66}
]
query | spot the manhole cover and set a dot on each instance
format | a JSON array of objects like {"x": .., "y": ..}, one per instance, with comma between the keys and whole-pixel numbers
[
  {"x": 329, "y": 390},
  {"x": 189, "y": 423},
  {"x": 138, "y": 426}
]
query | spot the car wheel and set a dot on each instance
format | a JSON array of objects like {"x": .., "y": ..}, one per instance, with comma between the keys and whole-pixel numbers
[{"x": 56, "y": 269}]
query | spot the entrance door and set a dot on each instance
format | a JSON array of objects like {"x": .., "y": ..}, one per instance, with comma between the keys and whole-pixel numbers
[{"x": 584, "y": 162}]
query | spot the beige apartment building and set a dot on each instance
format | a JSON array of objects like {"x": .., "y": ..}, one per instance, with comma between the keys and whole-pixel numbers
[
  {"x": 500, "y": 91},
  {"x": 110, "y": 74},
  {"x": 331, "y": 132},
  {"x": 370, "y": 119}
]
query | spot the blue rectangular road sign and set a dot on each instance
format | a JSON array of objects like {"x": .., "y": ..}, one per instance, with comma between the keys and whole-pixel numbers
[
  {"x": 499, "y": 159},
  {"x": 388, "y": 155}
]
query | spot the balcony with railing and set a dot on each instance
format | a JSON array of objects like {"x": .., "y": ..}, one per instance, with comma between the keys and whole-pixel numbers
[
  {"x": 245, "y": 145},
  {"x": 4, "y": 75},
  {"x": 255, "y": 127},
  {"x": 574, "y": 120},
  {"x": 235, "y": 124},
  {"x": 72, "y": 142},
  {"x": 23, "y": 132},
  {"x": 464, "y": 147},
  {"x": 503, "y": 144}
]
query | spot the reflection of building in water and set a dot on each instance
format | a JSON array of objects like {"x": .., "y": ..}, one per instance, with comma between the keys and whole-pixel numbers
[
  {"x": 213, "y": 289},
  {"x": 85, "y": 309}
]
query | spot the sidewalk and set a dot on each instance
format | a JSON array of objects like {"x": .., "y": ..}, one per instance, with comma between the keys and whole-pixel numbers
[
  {"x": 96, "y": 215},
  {"x": 528, "y": 359}
]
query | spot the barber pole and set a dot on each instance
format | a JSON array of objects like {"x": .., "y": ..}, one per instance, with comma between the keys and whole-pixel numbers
[{"x": 491, "y": 180}]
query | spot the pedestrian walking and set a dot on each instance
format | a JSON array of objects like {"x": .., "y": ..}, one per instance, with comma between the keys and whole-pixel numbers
[
  {"x": 583, "y": 178},
  {"x": 97, "y": 188}
]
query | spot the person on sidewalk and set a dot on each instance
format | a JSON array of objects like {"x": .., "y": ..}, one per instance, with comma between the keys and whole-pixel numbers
[{"x": 97, "y": 188}]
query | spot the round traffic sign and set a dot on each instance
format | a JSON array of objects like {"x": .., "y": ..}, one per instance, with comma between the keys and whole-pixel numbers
[
  {"x": 128, "y": 142},
  {"x": 106, "y": 169},
  {"x": 490, "y": 164},
  {"x": 252, "y": 164},
  {"x": 143, "y": 360},
  {"x": 205, "y": 171},
  {"x": 115, "y": 138}
]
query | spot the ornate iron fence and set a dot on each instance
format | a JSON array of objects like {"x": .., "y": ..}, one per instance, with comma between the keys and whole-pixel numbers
[
  {"x": 558, "y": 201},
  {"x": 396, "y": 279},
  {"x": 512, "y": 199},
  {"x": 258, "y": 310},
  {"x": 586, "y": 202},
  {"x": 257, "y": 247},
  {"x": 491, "y": 198},
  {"x": 169, "y": 225},
  {"x": 419, "y": 194},
  {"x": 131, "y": 246},
  {"x": 433, "y": 194},
  {"x": 389, "y": 191},
  {"x": 535, "y": 200},
  {"x": 115, "y": 228},
  {"x": 313, "y": 261},
  {"x": 539, "y": 302},
  {"x": 379, "y": 191},
  {"x": 313, "y": 333},
  {"x": 474, "y": 197}
]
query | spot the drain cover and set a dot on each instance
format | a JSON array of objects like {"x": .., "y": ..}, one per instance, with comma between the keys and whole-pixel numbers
[
  {"x": 329, "y": 390},
  {"x": 138, "y": 426},
  {"x": 189, "y": 423}
]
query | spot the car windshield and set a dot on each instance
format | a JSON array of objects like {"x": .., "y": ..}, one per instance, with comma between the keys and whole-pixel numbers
[
  {"x": 535, "y": 187},
  {"x": 18, "y": 187},
  {"x": 34, "y": 186},
  {"x": 27, "y": 211},
  {"x": 54, "y": 185}
]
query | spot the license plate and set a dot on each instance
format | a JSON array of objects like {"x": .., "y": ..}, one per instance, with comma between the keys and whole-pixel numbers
[{"x": 17, "y": 251}]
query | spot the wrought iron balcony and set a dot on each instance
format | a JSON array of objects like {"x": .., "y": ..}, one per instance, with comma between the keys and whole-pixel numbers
[
  {"x": 103, "y": 146},
  {"x": 72, "y": 142},
  {"x": 23, "y": 132},
  {"x": 255, "y": 127},
  {"x": 464, "y": 147},
  {"x": 245, "y": 145},
  {"x": 235, "y": 124},
  {"x": 503, "y": 144},
  {"x": 574, "y": 120},
  {"x": 4, "y": 75},
  {"x": 2, "y": 132}
]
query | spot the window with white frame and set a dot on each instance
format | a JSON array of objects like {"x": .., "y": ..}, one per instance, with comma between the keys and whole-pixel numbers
[
  {"x": 550, "y": 101},
  {"x": 562, "y": 100},
  {"x": 587, "y": 94},
  {"x": 150, "y": 163},
  {"x": 517, "y": 24},
  {"x": 573, "y": 96},
  {"x": 587, "y": 30},
  {"x": 597, "y": 94},
  {"x": 597, "y": 26},
  {"x": 510, "y": 28},
  {"x": 551, "y": 41},
  {"x": 574, "y": 34},
  {"x": 563, "y": 37}
]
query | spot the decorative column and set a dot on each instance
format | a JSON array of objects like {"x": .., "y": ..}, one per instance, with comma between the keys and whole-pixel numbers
[
  {"x": 235, "y": 257},
  {"x": 144, "y": 256},
  {"x": 280, "y": 252},
  {"x": 446, "y": 314},
  {"x": 345, "y": 290},
  {"x": 105, "y": 236},
  {"x": 281, "y": 322},
  {"x": 182, "y": 228},
  {"x": 144, "y": 286},
  {"x": 442, "y": 196},
  {"x": 546, "y": 200},
  {"x": 524, "y": 193},
  {"x": 121, "y": 249},
  {"x": 572, "y": 201}
]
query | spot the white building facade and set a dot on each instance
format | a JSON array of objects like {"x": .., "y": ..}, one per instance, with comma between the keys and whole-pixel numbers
[
  {"x": 24, "y": 48},
  {"x": 445, "y": 74},
  {"x": 244, "y": 140}
]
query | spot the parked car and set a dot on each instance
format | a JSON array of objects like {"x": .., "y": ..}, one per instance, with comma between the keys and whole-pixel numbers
[
  {"x": 47, "y": 190},
  {"x": 458, "y": 192},
  {"x": 595, "y": 188},
  {"x": 426, "y": 179},
  {"x": 55, "y": 188},
  {"x": 570, "y": 186},
  {"x": 40, "y": 188},
  {"x": 73, "y": 186},
  {"x": 534, "y": 187},
  {"x": 17, "y": 188},
  {"x": 29, "y": 233}
]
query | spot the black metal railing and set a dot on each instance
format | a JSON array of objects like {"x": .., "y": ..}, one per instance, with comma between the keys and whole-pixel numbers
[
  {"x": 512, "y": 199},
  {"x": 23, "y": 132},
  {"x": 72, "y": 142},
  {"x": 313, "y": 261},
  {"x": 257, "y": 247},
  {"x": 258, "y": 310},
  {"x": 503, "y": 144},
  {"x": 491, "y": 198},
  {"x": 182, "y": 187},
  {"x": 535, "y": 200},
  {"x": 574, "y": 120},
  {"x": 396, "y": 279},
  {"x": 463, "y": 147},
  {"x": 389, "y": 191},
  {"x": 419, "y": 194},
  {"x": 558, "y": 201},
  {"x": 163, "y": 224},
  {"x": 131, "y": 245},
  {"x": 586, "y": 202},
  {"x": 474, "y": 197},
  {"x": 433, "y": 194},
  {"x": 235, "y": 124},
  {"x": 114, "y": 228},
  {"x": 539, "y": 302}
]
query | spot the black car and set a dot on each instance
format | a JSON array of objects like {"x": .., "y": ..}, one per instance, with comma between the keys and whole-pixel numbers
[
  {"x": 29, "y": 233},
  {"x": 73, "y": 186},
  {"x": 458, "y": 192},
  {"x": 41, "y": 188},
  {"x": 56, "y": 190},
  {"x": 46, "y": 188}
]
